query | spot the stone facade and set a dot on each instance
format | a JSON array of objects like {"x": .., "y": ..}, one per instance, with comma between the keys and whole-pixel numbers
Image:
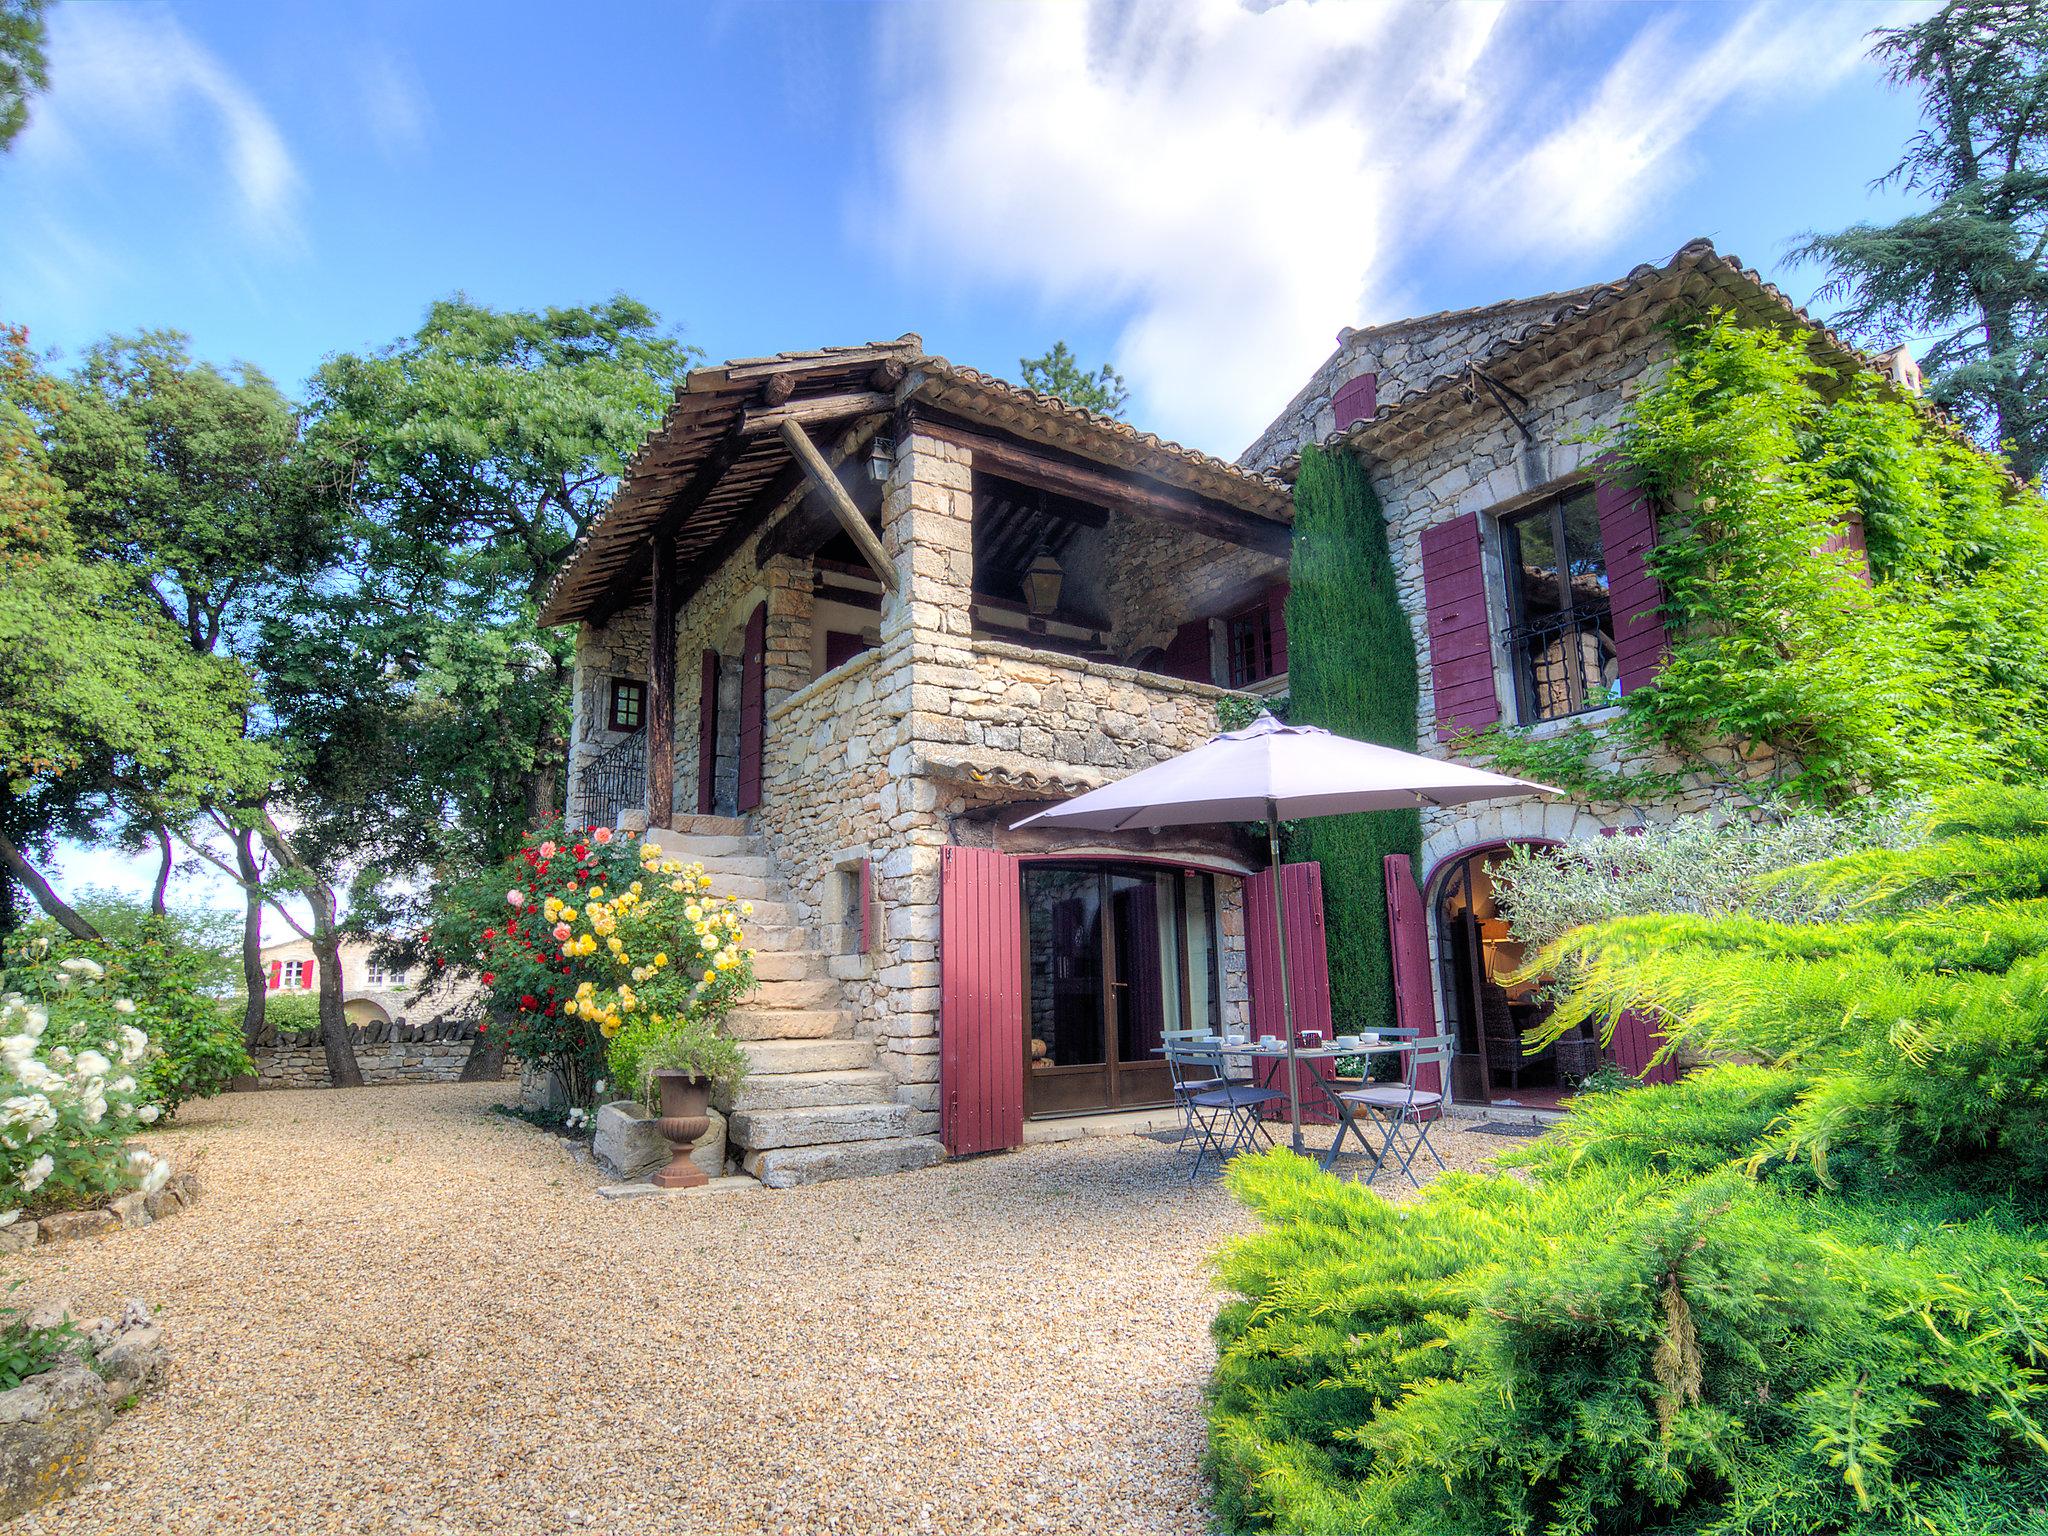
[
  {"x": 936, "y": 735},
  {"x": 1477, "y": 459}
]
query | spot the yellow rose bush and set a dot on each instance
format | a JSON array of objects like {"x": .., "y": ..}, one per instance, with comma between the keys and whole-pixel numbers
[{"x": 663, "y": 960}]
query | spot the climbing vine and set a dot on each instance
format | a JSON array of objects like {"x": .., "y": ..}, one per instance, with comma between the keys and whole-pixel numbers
[{"x": 1930, "y": 672}]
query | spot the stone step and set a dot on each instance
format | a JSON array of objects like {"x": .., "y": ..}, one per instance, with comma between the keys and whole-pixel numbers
[
  {"x": 803, "y": 992},
  {"x": 787, "y": 1167},
  {"x": 677, "y": 846},
  {"x": 726, "y": 867},
  {"x": 815, "y": 1125},
  {"x": 791, "y": 965},
  {"x": 772, "y": 1058},
  {"x": 705, "y": 826},
  {"x": 801, "y": 1090},
  {"x": 748, "y": 1023}
]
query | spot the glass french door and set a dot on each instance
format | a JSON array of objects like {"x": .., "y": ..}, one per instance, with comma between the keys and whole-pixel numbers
[{"x": 1115, "y": 955}]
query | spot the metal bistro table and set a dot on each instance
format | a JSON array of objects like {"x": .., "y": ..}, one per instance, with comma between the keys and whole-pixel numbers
[{"x": 1387, "y": 1043}]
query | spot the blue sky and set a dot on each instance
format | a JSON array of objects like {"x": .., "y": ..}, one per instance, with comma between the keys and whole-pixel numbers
[{"x": 1200, "y": 191}]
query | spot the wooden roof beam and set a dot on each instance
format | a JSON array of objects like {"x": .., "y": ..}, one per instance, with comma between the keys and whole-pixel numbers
[
  {"x": 826, "y": 484},
  {"x": 626, "y": 582},
  {"x": 1117, "y": 488}
]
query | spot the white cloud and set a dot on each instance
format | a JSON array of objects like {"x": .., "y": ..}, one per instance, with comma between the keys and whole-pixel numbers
[
  {"x": 133, "y": 73},
  {"x": 393, "y": 103},
  {"x": 1241, "y": 182}
]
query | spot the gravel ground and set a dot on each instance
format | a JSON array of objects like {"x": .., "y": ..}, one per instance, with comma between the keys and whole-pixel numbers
[{"x": 394, "y": 1311}]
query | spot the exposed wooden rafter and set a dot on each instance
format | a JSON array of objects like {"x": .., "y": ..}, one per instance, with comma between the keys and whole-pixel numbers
[
  {"x": 827, "y": 486},
  {"x": 1032, "y": 465}
]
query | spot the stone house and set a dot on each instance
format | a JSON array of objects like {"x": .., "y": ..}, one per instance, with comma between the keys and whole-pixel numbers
[
  {"x": 853, "y": 613},
  {"x": 1527, "y": 592}
]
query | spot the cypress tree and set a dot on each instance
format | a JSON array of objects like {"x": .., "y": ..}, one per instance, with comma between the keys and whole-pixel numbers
[{"x": 1351, "y": 669}]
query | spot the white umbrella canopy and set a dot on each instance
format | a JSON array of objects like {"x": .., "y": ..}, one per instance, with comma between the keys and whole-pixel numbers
[
  {"x": 1286, "y": 771},
  {"x": 1272, "y": 772}
]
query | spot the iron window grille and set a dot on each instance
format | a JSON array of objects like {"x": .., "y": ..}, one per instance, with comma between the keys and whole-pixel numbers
[{"x": 1560, "y": 637}]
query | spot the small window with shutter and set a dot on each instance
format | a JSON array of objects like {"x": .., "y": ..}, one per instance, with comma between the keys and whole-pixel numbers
[
  {"x": 1560, "y": 618},
  {"x": 629, "y": 704}
]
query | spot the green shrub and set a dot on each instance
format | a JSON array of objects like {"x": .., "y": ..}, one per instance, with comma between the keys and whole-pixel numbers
[
  {"x": 1800, "y": 1294},
  {"x": 1351, "y": 669}
]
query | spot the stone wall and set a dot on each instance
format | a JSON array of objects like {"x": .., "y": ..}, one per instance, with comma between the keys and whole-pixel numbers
[
  {"x": 417, "y": 1061},
  {"x": 1479, "y": 461},
  {"x": 1407, "y": 355},
  {"x": 877, "y": 758}
]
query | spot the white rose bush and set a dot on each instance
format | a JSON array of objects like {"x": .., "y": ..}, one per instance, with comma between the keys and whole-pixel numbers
[{"x": 72, "y": 1070}]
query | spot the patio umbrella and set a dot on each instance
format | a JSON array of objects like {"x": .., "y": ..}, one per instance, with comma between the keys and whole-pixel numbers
[{"x": 1272, "y": 772}]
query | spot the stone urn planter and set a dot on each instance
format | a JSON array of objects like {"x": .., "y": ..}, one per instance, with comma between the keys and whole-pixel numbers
[{"x": 685, "y": 1116}]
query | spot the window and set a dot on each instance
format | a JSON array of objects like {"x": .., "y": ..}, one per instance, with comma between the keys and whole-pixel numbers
[
  {"x": 1560, "y": 631},
  {"x": 380, "y": 977},
  {"x": 295, "y": 973},
  {"x": 1255, "y": 640},
  {"x": 629, "y": 704}
]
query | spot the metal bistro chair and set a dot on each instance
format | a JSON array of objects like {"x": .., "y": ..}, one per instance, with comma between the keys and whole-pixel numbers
[
  {"x": 1230, "y": 1113},
  {"x": 1395, "y": 1107},
  {"x": 1194, "y": 1066}
]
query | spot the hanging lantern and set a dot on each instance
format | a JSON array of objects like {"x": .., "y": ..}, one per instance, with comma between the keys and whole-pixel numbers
[{"x": 1042, "y": 579}]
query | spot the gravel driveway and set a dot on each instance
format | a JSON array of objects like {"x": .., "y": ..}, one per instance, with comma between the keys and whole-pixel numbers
[{"x": 394, "y": 1311}]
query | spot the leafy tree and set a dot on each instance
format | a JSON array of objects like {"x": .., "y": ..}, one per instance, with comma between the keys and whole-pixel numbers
[
  {"x": 1060, "y": 374},
  {"x": 1973, "y": 268},
  {"x": 100, "y": 696},
  {"x": 24, "y": 67},
  {"x": 1351, "y": 669},
  {"x": 191, "y": 478},
  {"x": 473, "y": 454},
  {"x": 1800, "y": 1294}
]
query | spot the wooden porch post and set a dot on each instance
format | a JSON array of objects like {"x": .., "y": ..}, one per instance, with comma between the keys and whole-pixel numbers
[{"x": 661, "y": 685}]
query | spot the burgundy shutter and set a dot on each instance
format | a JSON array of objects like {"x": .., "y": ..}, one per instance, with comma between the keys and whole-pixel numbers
[
  {"x": 707, "y": 734},
  {"x": 1356, "y": 400},
  {"x": 981, "y": 1000},
  {"x": 753, "y": 701},
  {"x": 1276, "y": 626},
  {"x": 1460, "y": 640},
  {"x": 1637, "y": 1039},
  {"x": 1628, "y": 531},
  {"x": 1188, "y": 654},
  {"x": 1308, "y": 972},
  {"x": 1848, "y": 535},
  {"x": 1408, "y": 935},
  {"x": 312, "y": 968}
]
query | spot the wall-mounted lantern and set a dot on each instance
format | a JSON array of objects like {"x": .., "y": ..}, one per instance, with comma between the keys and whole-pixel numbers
[{"x": 881, "y": 457}]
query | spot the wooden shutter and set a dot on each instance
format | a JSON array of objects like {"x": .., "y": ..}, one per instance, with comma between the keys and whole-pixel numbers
[
  {"x": 276, "y": 974},
  {"x": 1637, "y": 1038},
  {"x": 707, "y": 733},
  {"x": 981, "y": 1000},
  {"x": 308, "y": 976},
  {"x": 1848, "y": 535},
  {"x": 1356, "y": 400},
  {"x": 1276, "y": 626},
  {"x": 1408, "y": 935},
  {"x": 753, "y": 705},
  {"x": 1308, "y": 972},
  {"x": 1628, "y": 532},
  {"x": 1187, "y": 656},
  {"x": 1460, "y": 639}
]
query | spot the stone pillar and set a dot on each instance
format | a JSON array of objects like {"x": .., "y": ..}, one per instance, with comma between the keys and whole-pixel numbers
[
  {"x": 926, "y": 654},
  {"x": 661, "y": 686},
  {"x": 788, "y": 649}
]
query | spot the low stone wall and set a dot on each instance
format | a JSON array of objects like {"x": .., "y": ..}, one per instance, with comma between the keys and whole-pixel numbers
[
  {"x": 135, "y": 1208},
  {"x": 387, "y": 1053}
]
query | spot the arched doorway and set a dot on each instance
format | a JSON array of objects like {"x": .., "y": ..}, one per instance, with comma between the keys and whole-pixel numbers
[{"x": 1487, "y": 1014}]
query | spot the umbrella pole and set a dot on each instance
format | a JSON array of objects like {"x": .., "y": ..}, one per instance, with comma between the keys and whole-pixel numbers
[{"x": 1286, "y": 981}]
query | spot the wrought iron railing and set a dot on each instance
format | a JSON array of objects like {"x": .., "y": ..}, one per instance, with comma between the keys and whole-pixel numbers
[
  {"x": 613, "y": 781},
  {"x": 1564, "y": 663}
]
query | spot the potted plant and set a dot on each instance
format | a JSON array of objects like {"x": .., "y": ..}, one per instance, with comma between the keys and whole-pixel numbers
[{"x": 672, "y": 1064}]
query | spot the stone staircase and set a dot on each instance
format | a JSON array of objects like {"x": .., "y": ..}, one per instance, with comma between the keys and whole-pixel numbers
[{"x": 814, "y": 1105}]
